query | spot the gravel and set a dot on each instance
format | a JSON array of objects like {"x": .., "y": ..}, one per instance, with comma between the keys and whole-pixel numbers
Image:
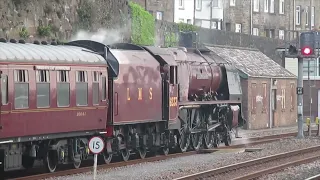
[
  {"x": 173, "y": 168},
  {"x": 296, "y": 173}
]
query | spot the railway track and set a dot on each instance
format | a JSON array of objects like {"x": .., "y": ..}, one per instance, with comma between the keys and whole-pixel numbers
[
  {"x": 241, "y": 143},
  {"x": 256, "y": 168}
]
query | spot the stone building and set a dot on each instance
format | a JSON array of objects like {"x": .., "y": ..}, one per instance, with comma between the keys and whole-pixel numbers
[
  {"x": 268, "y": 18},
  {"x": 306, "y": 14},
  {"x": 271, "y": 18},
  {"x": 161, "y": 9},
  {"x": 269, "y": 90}
]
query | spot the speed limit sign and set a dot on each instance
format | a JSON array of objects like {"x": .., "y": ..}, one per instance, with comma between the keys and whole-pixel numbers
[{"x": 96, "y": 145}]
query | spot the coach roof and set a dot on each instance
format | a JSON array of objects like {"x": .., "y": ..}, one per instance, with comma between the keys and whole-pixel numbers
[{"x": 18, "y": 52}]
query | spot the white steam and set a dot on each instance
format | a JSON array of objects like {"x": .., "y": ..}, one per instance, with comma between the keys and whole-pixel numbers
[{"x": 105, "y": 36}]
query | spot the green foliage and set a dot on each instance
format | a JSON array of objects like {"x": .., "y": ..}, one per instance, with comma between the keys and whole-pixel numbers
[
  {"x": 143, "y": 25},
  {"x": 171, "y": 39},
  {"x": 23, "y": 33},
  {"x": 85, "y": 15},
  {"x": 186, "y": 27},
  {"x": 44, "y": 31}
]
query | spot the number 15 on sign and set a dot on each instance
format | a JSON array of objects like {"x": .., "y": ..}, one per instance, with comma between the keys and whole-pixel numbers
[{"x": 96, "y": 146}]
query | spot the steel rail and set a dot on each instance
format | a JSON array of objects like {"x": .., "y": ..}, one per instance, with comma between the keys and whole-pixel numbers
[
  {"x": 232, "y": 167},
  {"x": 316, "y": 177},
  {"x": 278, "y": 168},
  {"x": 249, "y": 141}
]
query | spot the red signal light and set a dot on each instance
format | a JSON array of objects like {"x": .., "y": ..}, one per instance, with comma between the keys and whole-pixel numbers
[{"x": 306, "y": 51}]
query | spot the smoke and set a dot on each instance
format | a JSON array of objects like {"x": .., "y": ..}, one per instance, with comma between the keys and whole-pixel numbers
[{"x": 105, "y": 36}]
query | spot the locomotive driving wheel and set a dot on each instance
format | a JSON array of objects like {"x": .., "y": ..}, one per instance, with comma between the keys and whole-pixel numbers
[
  {"x": 107, "y": 157},
  {"x": 142, "y": 152},
  {"x": 196, "y": 137},
  {"x": 227, "y": 138},
  {"x": 184, "y": 132},
  {"x": 184, "y": 139},
  {"x": 208, "y": 139},
  {"x": 125, "y": 153}
]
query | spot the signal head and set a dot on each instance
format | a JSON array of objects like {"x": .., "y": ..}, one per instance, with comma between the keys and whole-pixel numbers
[{"x": 306, "y": 51}]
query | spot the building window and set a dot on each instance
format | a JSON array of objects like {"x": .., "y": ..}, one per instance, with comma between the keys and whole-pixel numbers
[
  {"x": 281, "y": 34},
  {"x": 189, "y": 21},
  {"x": 298, "y": 15},
  {"x": 151, "y": 12},
  {"x": 198, "y": 22},
  {"x": 283, "y": 99},
  {"x": 281, "y": 6},
  {"x": 63, "y": 89},
  {"x": 269, "y": 33},
  {"x": 232, "y": 2},
  {"x": 81, "y": 88},
  {"x": 228, "y": 26},
  {"x": 255, "y": 31},
  {"x": 198, "y": 4},
  {"x": 4, "y": 89},
  {"x": 104, "y": 88},
  {"x": 307, "y": 15},
  {"x": 238, "y": 28},
  {"x": 271, "y": 6},
  {"x": 314, "y": 69},
  {"x": 215, "y": 3},
  {"x": 256, "y": 5},
  {"x": 312, "y": 15},
  {"x": 159, "y": 15},
  {"x": 266, "y": 5},
  {"x": 253, "y": 98},
  {"x": 21, "y": 89},
  {"x": 264, "y": 102},
  {"x": 43, "y": 88},
  {"x": 181, "y": 3},
  {"x": 95, "y": 87},
  {"x": 213, "y": 25}
]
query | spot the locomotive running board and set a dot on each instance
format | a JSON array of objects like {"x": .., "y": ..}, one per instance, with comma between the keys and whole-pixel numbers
[{"x": 188, "y": 103}]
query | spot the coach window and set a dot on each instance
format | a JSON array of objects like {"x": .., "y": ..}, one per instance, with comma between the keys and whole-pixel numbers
[
  {"x": 81, "y": 88},
  {"x": 43, "y": 88},
  {"x": 4, "y": 89},
  {"x": 95, "y": 88},
  {"x": 63, "y": 88},
  {"x": 21, "y": 89}
]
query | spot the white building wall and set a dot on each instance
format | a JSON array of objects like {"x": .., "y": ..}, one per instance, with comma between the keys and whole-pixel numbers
[{"x": 185, "y": 13}]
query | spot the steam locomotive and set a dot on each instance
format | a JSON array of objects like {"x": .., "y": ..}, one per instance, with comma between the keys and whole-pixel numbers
[{"x": 139, "y": 99}]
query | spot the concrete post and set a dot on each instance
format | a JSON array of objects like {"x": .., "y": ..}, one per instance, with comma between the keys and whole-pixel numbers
[
  {"x": 300, "y": 98},
  {"x": 308, "y": 122},
  {"x": 318, "y": 126}
]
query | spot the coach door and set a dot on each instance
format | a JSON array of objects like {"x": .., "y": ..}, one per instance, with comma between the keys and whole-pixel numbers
[{"x": 4, "y": 95}]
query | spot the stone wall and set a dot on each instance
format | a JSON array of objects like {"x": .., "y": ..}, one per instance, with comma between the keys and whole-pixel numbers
[
  {"x": 211, "y": 36},
  {"x": 63, "y": 16}
]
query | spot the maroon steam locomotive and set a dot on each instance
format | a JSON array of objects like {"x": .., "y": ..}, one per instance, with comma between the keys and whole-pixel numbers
[{"x": 54, "y": 98}]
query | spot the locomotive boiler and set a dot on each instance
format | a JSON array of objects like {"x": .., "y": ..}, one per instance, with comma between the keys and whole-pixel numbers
[{"x": 139, "y": 99}]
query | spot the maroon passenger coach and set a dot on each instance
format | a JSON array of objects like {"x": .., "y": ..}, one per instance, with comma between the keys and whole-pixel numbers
[{"x": 54, "y": 98}]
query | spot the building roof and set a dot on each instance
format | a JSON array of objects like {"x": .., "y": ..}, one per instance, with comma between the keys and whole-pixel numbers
[
  {"x": 251, "y": 62},
  {"x": 31, "y": 53}
]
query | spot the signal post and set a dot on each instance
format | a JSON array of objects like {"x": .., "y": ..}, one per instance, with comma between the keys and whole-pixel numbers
[{"x": 309, "y": 43}]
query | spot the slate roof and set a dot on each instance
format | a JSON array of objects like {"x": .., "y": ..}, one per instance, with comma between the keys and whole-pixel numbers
[{"x": 251, "y": 62}]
